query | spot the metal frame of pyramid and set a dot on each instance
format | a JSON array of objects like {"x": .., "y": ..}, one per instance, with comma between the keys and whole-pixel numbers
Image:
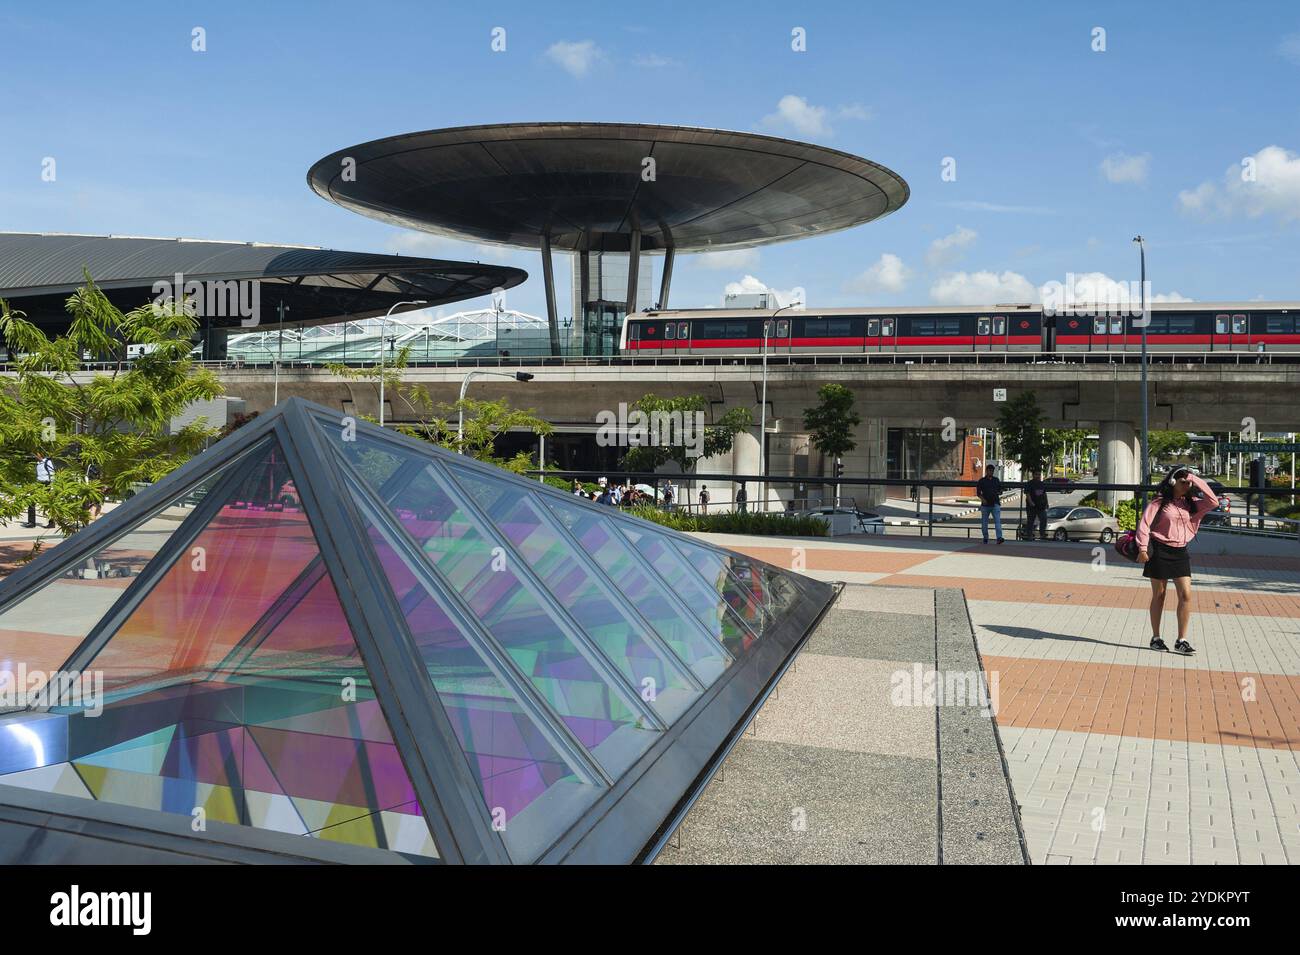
[{"x": 629, "y": 809}]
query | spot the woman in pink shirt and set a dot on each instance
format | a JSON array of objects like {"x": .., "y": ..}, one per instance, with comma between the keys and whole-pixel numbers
[{"x": 1168, "y": 525}]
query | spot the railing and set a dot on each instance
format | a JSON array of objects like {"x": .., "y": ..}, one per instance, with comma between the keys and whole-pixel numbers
[
  {"x": 922, "y": 500},
  {"x": 776, "y": 360}
]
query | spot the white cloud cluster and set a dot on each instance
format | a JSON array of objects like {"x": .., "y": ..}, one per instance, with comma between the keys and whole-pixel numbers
[
  {"x": 1267, "y": 183},
  {"x": 797, "y": 114},
  {"x": 1119, "y": 168},
  {"x": 887, "y": 274},
  {"x": 749, "y": 285},
  {"x": 982, "y": 288},
  {"x": 575, "y": 58},
  {"x": 949, "y": 248}
]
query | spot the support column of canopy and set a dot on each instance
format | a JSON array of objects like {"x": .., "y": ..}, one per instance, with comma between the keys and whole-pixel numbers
[
  {"x": 666, "y": 282},
  {"x": 633, "y": 271},
  {"x": 548, "y": 278}
]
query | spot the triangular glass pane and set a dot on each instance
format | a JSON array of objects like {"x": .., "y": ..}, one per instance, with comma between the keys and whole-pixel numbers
[
  {"x": 593, "y": 602},
  {"x": 746, "y": 599},
  {"x": 711, "y": 608},
  {"x": 531, "y": 792},
  {"x": 674, "y": 622},
  {"x": 40, "y": 632},
  {"x": 233, "y": 689},
  {"x": 576, "y": 682}
]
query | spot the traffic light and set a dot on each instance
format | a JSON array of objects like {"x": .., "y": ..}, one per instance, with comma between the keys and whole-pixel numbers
[{"x": 839, "y": 468}]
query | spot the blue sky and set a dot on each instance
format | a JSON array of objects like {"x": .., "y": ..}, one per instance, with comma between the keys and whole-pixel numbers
[{"x": 1062, "y": 152}]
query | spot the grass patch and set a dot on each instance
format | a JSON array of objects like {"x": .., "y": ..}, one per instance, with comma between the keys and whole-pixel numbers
[{"x": 731, "y": 522}]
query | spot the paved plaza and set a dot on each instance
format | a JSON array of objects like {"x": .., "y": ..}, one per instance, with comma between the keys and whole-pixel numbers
[{"x": 1116, "y": 753}]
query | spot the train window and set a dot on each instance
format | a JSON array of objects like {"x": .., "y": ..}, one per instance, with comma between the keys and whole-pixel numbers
[
  {"x": 873, "y": 328},
  {"x": 783, "y": 328},
  {"x": 887, "y": 327},
  {"x": 682, "y": 331},
  {"x": 828, "y": 327},
  {"x": 767, "y": 328},
  {"x": 982, "y": 326},
  {"x": 1220, "y": 324},
  {"x": 1117, "y": 326},
  {"x": 634, "y": 330},
  {"x": 1180, "y": 325},
  {"x": 1239, "y": 324},
  {"x": 947, "y": 326},
  {"x": 669, "y": 328},
  {"x": 1280, "y": 324},
  {"x": 923, "y": 326},
  {"x": 1099, "y": 326},
  {"x": 999, "y": 324}
]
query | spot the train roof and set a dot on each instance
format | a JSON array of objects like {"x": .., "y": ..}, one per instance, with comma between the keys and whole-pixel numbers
[{"x": 1005, "y": 308}]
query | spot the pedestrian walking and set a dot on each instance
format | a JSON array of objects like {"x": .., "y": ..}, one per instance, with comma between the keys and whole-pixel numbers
[
  {"x": 1036, "y": 505},
  {"x": 989, "y": 491},
  {"x": 1168, "y": 525},
  {"x": 742, "y": 499}
]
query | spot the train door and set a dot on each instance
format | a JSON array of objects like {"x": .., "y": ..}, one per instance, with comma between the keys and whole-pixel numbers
[
  {"x": 984, "y": 333},
  {"x": 1047, "y": 334},
  {"x": 889, "y": 334},
  {"x": 778, "y": 341},
  {"x": 683, "y": 337},
  {"x": 872, "y": 342}
]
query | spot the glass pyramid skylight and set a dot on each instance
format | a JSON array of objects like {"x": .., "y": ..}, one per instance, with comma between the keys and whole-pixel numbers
[{"x": 322, "y": 628}]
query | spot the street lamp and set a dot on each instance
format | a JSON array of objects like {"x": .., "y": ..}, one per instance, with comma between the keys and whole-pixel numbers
[
  {"x": 382, "y": 325},
  {"x": 762, "y": 408},
  {"x": 464, "y": 386},
  {"x": 1146, "y": 453}
]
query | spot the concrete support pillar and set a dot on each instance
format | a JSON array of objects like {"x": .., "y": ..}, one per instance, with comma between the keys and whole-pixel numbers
[
  {"x": 666, "y": 282},
  {"x": 633, "y": 271},
  {"x": 1117, "y": 460},
  {"x": 548, "y": 278},
  {"x": 745, "y": 459}
]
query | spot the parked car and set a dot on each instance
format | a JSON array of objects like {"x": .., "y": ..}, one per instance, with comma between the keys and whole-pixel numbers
[
  {"x": 1056, "y": 483},
  {"x": 867, "y": 522},
  {"x": 1075, "y": 523}
]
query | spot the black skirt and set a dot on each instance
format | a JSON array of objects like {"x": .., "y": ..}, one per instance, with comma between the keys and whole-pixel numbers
[{"x": 1166, "y": 562}]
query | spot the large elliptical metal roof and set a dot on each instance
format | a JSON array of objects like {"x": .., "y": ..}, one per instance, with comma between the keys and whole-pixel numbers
[
  {"x": 588, "y": 185},
  {"x": 39, "y": 271}
]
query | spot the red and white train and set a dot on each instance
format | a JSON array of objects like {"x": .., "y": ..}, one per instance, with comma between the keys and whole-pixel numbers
[{"x": 1187, "y": 327}]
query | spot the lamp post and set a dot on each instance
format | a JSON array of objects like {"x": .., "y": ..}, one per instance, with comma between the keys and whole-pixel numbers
[
  {"x": 460, "y": 403},
  {"x": 1146, "y": 451},
  {"x": 762, "y": 408},
  {"x": 383, "y": 325}
]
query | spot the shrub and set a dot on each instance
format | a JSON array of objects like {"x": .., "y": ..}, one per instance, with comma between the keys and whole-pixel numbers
[
  {"x": 1126, "y": 515},
  {"x": 734, "y": 523}
]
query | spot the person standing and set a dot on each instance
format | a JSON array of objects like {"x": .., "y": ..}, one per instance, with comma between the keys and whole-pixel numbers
[
  {"x": 704, "y": 498},
  {"x": 44, "y": 474},
  {"x": 668, "y": 496},
  {"x": 989, "y": 490},
  {"x": 1036, "y": 504},
  {"x": 1168, "y": 525},
  {"x": 742, "y": 500}
]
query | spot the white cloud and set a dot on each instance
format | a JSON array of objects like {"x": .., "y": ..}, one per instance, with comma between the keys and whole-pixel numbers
[
  {"x": 950, "y": 248},
  {"x": 886, "y": 274},
  {"x": 731, "y": 259},
  {"x": 1274, "y": 188},
  {"x": 751, "y": 286},
  {"x": 576, "y": 59},
  {"x": 982, "y": 288},
  {"x": 1290, "y": 47},
  {"x": 1098, "y": 288},
  {"x": 1119, "y": 168},
  {"x": 797, "y": 113}
]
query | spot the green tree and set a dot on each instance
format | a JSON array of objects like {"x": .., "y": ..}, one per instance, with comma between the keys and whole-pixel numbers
[
  {"x": 718, "y": 438},
  {"x": 105, "y": 431},
  {"x": 1163, "y": 444},
  {"x": 485, "y": 421},
  {"x": 1062, "y": 441},
  {"x": 1020, "y": 422},
  {"x": 831, "y": 422}
]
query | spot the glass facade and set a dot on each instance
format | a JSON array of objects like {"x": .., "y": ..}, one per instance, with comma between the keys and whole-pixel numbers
[{"x": 320, "y": 632}]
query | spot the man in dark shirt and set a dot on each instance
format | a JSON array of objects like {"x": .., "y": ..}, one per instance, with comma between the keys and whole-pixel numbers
[
  {"x": 989, "y": 491},
  {"x": 1036, "y": 503}
]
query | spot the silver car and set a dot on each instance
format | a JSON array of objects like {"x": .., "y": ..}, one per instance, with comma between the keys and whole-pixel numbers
[{"x": 1073, "y": 523}]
